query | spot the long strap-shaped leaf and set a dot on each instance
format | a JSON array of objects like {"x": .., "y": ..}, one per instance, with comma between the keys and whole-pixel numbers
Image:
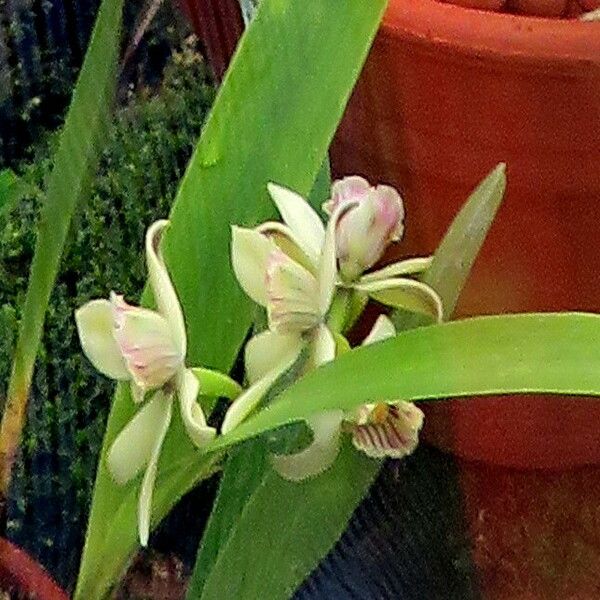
[
  {"x": 273, "y": 119},
  {"x": 75, "y": 161},
  {"x": 530, "y": 353}
]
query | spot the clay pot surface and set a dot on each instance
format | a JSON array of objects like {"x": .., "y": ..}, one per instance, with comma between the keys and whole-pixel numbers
[
  {"x": 447, "y": 93},
  {"x": 23, "y": 577}
]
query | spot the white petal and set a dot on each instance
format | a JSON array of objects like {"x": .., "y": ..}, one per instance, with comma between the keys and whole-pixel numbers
[
  {"x": 410, "y": 266},
  {"x": 132, "y": 449},
  {"x": 347, "y": 189},
  {"x": 147, "y": 488},
  {"x": 146, "y": 343},
  {"x": 95, "y": 327},
  {"x": 250, "y": 252},
  {"x": 388, "y": 431},
  {"x": 407, "y": 294},
  {"x": 191, "y": 412},
  {"x": 323, "y": 348},
  {"x": 328, "y": 264},
  {"x": 321, "y": 453},
  {"x": 293, "y": 295},
  {"x": 383, "y": 329},
  {"x": 265, "y": 351},
  {"x": 300, "y": 217},
  {"x": 247, "y": 402},
  {"x": 287, "y": 242},
  {"x": 162, "y": 287}
]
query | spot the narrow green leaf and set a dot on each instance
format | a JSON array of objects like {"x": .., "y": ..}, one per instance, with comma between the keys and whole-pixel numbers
[
  {"x": 456, "y": 254},
  {"x": 74, "y": 164},
  {"x": 271, "y": 122},
  {"x": 260, "y": 565},
  {"x": 530, "y": 353}
]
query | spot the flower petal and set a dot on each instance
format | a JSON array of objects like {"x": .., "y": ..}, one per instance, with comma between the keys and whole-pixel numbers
[
  {"x": 293, "y": 295},
  {"x": 409, "y": 266},
  {"x": 191, "y": 412},
  {"x": 346, "y": 189},
  {"x": 328, "y": 262},
  {"x": 388, "y": 430},
  {"x": 247, "y": 402},
  {"x": 95, "y": 327},
  {"x": 147, "y": 344},
  {"x": 407, "y": 294},
  {"x": 147, "y": 488},
  {"x": 383, "y": 329},
  {"x": 132, "y": 449},
  {"x": 266, "y": 350},
  {"x": 286, "y": 241},
  {"x": 250, "y": 252},
  {"x": 300, "y": 217},
  {"x": 321, "y": 453},
  {"x": 162, "y": 287}
]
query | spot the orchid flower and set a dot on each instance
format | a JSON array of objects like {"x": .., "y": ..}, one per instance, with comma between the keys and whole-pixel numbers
[
  {"x": 379, "y": 430},
  {"x": 147, "y": 348},
  {"x": 290, "y": 269},
  {"x": 362, "y": 235}
]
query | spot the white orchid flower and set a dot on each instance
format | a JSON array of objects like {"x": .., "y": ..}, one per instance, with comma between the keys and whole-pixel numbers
[
  {"x": 148, "y": 349},
  {"x": 290, "y": 269},
  {"x": 379, "y": 430},
  {"x": 362, "y": 235}
]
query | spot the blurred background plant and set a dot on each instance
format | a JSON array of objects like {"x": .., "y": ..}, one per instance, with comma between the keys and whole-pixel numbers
[{"x": 164, "y": 96}]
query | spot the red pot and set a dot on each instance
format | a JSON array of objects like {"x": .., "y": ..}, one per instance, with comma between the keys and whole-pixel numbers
[
  {"x": 447, "y": 93},
  {"x": 219, "y": 25},
  {"x": 20, "y": 574}
]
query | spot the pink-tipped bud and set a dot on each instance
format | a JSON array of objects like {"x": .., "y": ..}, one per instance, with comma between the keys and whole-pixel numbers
[{"x": 364, "y": 232}]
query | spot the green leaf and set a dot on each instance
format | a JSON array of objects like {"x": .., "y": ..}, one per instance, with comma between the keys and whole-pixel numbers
[
  {"x": 76, "y": 159},
  {"x": 326, "y": 513},
  {"x": 273, "y": 120},
  {"x": 530, "y": 353},
  {"x": 255, "y": 564},
  {"x": 456, "y": 254}
]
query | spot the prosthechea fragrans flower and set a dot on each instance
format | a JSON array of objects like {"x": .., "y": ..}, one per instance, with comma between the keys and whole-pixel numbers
[
  {"x": 362, "y": 235},
  {"x": 290, "y": 269},
  {"x": 148, "y": 349},
  {"x": 380, "y": 430}
]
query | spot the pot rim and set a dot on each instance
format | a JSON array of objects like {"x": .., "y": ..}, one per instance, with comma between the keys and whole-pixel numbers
[{"x": 491, "y": 33}]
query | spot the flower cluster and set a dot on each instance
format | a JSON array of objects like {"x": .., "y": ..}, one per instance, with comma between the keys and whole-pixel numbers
[{"x": 297, "y": 270}]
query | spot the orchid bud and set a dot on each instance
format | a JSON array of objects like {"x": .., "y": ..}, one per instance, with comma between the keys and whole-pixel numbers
[{"x": 364, "y": 232}]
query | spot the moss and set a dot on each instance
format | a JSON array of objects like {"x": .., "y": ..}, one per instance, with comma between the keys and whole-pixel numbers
[{"x": 150, "y": 144}]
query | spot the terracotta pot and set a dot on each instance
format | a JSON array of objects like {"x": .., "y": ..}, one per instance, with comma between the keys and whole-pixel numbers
[
  {"x": 447, "y": 93},
  {"x": 23, "y": 576},
  {"x": 219, "y": 25}
]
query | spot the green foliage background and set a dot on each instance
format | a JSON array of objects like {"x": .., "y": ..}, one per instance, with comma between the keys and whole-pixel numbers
[{"x": 150, "y": 143}]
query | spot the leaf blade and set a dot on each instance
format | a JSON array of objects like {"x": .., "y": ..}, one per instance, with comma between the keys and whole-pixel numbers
[{"x": 548, "y": 353}]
